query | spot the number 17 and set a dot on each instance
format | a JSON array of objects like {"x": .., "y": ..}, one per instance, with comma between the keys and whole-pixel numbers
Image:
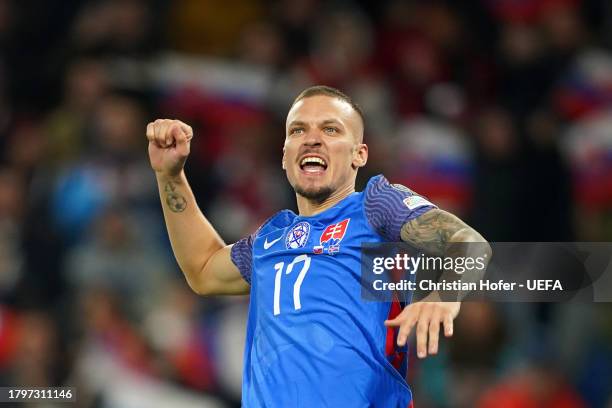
[{"x": 296, "y": 286}]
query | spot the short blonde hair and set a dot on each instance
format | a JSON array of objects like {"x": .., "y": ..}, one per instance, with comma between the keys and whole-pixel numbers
[{"x": 329, "y": 91}]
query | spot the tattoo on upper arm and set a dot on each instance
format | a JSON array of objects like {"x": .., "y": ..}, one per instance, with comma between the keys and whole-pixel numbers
[
  {"x": 175, "y": 201},
  {"x": 432, "y": 231}
]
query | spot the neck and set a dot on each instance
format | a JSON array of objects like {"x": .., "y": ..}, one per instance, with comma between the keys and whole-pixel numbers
[{"x": 308, "y": 207}]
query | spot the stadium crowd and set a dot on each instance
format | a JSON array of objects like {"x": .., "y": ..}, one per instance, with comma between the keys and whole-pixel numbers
[{"x": 497, "y": 110}]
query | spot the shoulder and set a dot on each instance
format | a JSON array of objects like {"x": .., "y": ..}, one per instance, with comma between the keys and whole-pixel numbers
[
  {"x": 388, "y": 206},
  {"x": 280, "y": 220},
  {"x": 241, "y": 252},
  {"x": 379, "y": 184},
  {"x": 380, "y": 189}
]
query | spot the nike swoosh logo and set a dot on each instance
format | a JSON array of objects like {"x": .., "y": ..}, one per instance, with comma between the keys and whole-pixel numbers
[{"x": 267, "y": 244}]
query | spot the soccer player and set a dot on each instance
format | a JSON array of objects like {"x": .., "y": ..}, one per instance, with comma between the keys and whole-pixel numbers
[{"x": 311, "y": 340}]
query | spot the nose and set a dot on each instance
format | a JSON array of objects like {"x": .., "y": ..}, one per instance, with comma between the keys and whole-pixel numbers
[{"x": 312, "y": 138}]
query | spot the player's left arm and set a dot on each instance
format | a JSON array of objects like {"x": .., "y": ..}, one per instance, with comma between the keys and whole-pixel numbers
[{"x": 438, "y": 233}]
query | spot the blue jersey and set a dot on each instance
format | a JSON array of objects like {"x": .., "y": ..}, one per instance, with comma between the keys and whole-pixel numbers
[{"x": 311, "y": 340}]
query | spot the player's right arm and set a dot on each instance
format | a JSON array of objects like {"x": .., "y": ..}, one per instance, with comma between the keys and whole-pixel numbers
[{"x": 202, "y": 255}]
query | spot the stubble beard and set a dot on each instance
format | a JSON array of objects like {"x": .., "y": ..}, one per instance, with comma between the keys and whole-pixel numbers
[{"x": 317, "y": 195}]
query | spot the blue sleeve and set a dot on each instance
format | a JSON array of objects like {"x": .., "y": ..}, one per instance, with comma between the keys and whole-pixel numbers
[
  {"x": 242, "y": 256},
  {"x": 242, "y": 251},
  {"x": 389, "y": 206}
]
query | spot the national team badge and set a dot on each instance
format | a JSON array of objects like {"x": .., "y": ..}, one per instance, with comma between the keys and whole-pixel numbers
[
  {"x": 331, "y": 237},
  {"x": 298, "y": 235}
]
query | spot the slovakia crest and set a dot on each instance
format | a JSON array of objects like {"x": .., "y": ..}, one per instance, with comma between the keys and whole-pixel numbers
[
  {"x": 331, "y": 237},
  {"x": 298, "y": 235}
]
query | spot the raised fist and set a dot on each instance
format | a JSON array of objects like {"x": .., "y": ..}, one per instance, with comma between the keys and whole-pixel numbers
[{"x": 169, "y": 145}]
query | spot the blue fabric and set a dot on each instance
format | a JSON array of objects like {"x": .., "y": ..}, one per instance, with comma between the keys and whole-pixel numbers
[
  {"x": 386, "y": 210},
  {"x": 242, "y": 256},
  {"x": 311, "y": 340}
]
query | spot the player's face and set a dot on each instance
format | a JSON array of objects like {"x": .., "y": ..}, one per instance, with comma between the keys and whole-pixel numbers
[{"x": 323, "y": 148}]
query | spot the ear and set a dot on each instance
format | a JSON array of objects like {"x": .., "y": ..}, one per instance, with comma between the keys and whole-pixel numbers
[
  {"x": 284, "y": 162},
  {"x": 360, "y": 155}
]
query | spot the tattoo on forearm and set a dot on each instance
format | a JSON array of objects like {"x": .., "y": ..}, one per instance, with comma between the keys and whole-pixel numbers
[
  {"x": 175, "y": 201},
  {"x": 432, "y": 231},
  {"x": 439, "y": 233}
]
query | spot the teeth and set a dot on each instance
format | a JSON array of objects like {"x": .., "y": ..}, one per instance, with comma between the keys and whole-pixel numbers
[{"x": 307, "y": 160}]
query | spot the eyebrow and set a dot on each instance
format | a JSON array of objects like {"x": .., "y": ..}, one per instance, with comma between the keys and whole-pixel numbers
[
  {"x": 296, "y": 123},
  {"x": 325, "y": 122},
  {"x": 331, "y": 121}
]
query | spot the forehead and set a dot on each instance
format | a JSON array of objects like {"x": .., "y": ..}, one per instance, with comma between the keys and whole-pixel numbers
[{"x": 321, "y": 107}]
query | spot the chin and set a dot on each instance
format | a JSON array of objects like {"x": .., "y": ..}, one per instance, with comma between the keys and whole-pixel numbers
[{"x": 316, "y": 194}]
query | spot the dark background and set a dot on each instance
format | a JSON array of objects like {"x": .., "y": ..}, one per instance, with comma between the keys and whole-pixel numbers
[{"x": 497, "y": 110}]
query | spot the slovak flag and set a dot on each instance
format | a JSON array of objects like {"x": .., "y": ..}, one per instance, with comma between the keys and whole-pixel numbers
[{"x": 333, "y": 234}]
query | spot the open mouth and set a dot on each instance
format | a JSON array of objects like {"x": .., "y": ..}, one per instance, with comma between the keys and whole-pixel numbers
[{"x": 313, "y": 165}]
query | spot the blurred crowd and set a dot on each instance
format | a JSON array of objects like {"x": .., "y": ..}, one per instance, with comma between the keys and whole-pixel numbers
[{"x": 498, "y": 110}]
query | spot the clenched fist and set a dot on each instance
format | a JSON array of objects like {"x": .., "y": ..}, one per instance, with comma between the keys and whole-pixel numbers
[{"x": 169, "y": 145}]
